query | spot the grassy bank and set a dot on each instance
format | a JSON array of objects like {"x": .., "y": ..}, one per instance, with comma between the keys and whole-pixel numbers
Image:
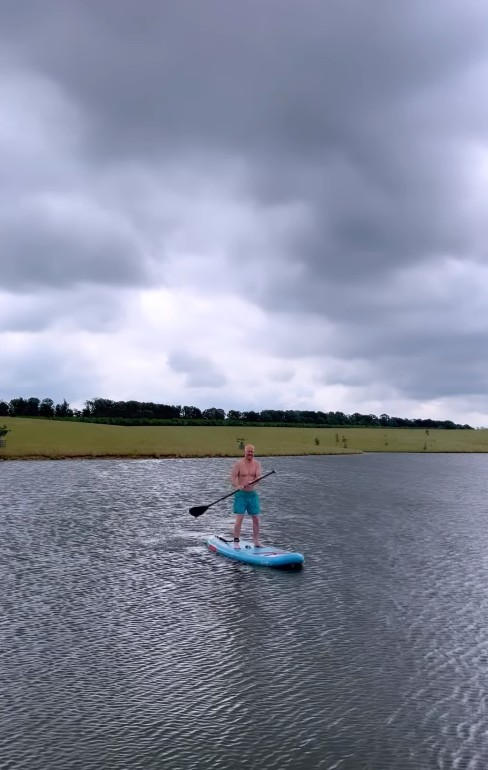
[{"x": 53, "y": 439}]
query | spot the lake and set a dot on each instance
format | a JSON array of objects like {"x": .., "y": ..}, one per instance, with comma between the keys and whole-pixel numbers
[{"x": 125, "y": 643}]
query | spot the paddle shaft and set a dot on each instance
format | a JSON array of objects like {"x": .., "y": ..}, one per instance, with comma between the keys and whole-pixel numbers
[
  {"x": 202, "y": 508},
  {"x": 238, "y": 490}
]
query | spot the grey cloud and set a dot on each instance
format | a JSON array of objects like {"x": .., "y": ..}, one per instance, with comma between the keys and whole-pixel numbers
[
  {"x": 38, "y": 249},
  {"x": 285, "y": 374},
  {"x": 361, "y": 114},
  {"x": 91, "y": 309},
  {"x": 259, "y": 73},
  {"x": 199, "y": 371},
  {"x": 423, "y": 365},
  {"x": 436, "y": 377},
  {"x": 326, "y": 103},
  {"x": 43, "y": 372}
]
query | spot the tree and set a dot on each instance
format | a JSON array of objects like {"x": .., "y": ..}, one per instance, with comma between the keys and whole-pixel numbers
[
  {"x": 101, "y": 407},
  {"x": 4, "y": 410},
  {"x": 4, "y": 430},
  {"x": 251, "y": 416},
  {"x": 356, "y": 418},
  {"x": 46, "y": 408},
  {"x": 272, "y": 415},
  {"x": 32, "y": 408},
  {"x": 191, "y": 413},
  {"x": 213, "y": 414},
  {"x": 133, "y": 409},
  {"x": 18, "y": 407},
  {"x": 63, "y": 410},
  {"x": 292, "y": 415},
  {"x": 309, "y": 417},
  {"x": 148, "y": 411},
  {"x": 120, "y": 409},
  {"x": 166, "y": 411},
  {"x": 339, "y": 418},
  {"x": 369, "y": 419}
]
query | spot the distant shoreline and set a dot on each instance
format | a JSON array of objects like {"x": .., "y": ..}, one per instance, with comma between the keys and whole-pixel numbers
[
  {"x": 60, "y": 458},
  {"x": 36, "y": 439},
  {"x": 92, "y": 457}
]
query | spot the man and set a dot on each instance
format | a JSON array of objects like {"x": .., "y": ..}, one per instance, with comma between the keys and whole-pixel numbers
[{"x": 246, "y": 500}]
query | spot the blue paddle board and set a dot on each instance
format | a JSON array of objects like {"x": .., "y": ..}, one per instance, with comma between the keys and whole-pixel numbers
[{"x": 245, "y": 551}]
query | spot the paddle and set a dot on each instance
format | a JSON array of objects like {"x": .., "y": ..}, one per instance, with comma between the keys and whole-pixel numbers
[{"x": 197, "y": 510}]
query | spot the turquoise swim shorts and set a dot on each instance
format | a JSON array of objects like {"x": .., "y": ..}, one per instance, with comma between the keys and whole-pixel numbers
[{"x": 246, "y": 502}]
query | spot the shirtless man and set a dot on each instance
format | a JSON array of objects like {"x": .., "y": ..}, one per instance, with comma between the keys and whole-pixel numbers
[{"x": 246, "y": 500}]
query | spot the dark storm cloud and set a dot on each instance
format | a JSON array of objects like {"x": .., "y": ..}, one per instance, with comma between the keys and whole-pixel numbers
[
  {"x": 274, "y": 74},
  {"x": 41, "y": 255},
  {"x": 365, "y": 115},
  {"x": 439, "y": 367},
  {"x": 199, "y": 371},
  {"x": 341, "y": 105}
]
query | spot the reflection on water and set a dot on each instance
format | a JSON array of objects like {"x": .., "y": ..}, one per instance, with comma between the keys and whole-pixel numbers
[{"x": 125, "y": 643}]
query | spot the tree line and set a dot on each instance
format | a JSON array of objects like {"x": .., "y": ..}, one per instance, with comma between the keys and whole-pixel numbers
[{"x": 148, "y": 413}]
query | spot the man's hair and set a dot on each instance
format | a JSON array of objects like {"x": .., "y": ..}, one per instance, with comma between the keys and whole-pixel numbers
[{"x": 248, "y": 446}]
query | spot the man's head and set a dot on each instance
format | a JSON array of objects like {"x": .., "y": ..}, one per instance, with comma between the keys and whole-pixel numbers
[{"x": 249, "y": 451}]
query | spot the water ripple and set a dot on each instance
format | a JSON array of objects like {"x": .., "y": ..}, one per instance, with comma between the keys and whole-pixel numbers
[{"x": 125, "y": 643}]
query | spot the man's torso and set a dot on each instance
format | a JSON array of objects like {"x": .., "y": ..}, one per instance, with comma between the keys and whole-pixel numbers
[{"x": 247, "y": 471}]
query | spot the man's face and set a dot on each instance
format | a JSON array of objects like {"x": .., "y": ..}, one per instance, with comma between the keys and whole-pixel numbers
[{"x": 249, "y": 454}]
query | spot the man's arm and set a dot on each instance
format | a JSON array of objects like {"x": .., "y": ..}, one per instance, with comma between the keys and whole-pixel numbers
[{"x": 234, "y": 476}]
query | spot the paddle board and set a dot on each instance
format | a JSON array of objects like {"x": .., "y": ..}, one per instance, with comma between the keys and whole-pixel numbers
[{"x": 245, "y": 551}]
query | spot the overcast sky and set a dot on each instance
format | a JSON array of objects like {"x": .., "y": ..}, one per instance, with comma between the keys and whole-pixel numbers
[{"x": 247, "y": 205}]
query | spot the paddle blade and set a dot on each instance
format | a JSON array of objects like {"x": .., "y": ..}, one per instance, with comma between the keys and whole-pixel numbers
[{"x": 198, "y": 510}]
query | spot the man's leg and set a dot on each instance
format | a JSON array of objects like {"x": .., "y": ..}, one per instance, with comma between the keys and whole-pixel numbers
[
  {"x": 255, "y": 531},
  {"x": 238, "y": 525}
]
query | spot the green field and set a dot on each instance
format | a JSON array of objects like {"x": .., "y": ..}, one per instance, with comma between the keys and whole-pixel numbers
[{"x": 44, "y": 439}]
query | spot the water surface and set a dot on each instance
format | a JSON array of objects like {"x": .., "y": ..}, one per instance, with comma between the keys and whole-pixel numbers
[{"x": 125, "y": 643}]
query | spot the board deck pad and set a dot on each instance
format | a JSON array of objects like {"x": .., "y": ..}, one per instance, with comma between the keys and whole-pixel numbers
[{"x": 245, "y": 551}]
